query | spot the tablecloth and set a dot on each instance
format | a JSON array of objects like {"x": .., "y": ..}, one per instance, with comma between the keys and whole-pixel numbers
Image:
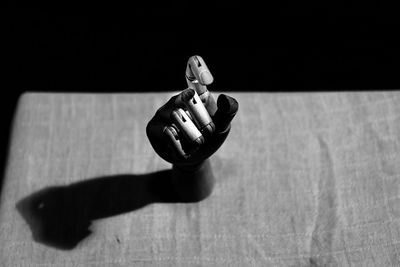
[{"x": 303, "y": 179}]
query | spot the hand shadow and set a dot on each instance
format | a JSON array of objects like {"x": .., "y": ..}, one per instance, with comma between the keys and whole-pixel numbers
[{"x": 61, "y": 216}]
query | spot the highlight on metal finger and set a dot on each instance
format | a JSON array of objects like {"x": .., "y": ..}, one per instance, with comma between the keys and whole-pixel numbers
[
  {"x": 198, "y": 112},
  {"x": 197, "y": 74},
  {"x": 187, "y": 127}
]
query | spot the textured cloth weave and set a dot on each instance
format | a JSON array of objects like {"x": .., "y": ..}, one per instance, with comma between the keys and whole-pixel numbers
[{"x": 304, "y": 179}]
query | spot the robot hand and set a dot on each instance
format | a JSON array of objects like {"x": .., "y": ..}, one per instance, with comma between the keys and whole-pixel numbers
[{"x": 191, "y": 126}]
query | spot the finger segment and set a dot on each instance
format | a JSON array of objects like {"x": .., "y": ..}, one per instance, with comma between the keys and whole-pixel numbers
[
  {"x": 198, "y": 111},
  {"x": 198, "y": 75},
  {"x": 227, "y": 109},
  {"x": 199, "y": 70},
  {"x": 186, "y": 126},
  {"x": 173, "y": 139}
]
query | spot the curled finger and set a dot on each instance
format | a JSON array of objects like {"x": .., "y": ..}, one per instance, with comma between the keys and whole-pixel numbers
[
  {"x": 197, "y": 111},
  {"x": 187, "y": 127},
  {"x": 172, "y": 136}
]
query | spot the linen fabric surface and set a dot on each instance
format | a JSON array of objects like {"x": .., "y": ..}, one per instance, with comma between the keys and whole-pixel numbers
[{"x": 303, "y": 179}]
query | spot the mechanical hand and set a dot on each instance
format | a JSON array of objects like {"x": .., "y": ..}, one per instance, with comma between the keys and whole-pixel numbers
[{"x": 191, "y": 126}]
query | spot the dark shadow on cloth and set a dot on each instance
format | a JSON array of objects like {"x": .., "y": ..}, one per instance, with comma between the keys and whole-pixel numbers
[{"x": 61, "y": 216}]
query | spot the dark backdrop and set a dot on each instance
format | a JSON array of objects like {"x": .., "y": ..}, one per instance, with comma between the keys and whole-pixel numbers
[{"x": 277, "y": 47}]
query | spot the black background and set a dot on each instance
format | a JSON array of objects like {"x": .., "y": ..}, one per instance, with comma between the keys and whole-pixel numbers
[{"x": 285, "y": 46}]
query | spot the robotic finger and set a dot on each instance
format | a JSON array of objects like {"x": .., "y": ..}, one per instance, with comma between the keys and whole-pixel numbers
[
  {"x": 173, "y": 139},
  {"x": 198, "y": 75},
  {"x": 198, "y": 112},
  {"x": 187, "y": 127}
]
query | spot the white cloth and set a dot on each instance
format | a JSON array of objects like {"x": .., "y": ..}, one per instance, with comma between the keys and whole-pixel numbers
[{"x": 304, "y": 179}]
